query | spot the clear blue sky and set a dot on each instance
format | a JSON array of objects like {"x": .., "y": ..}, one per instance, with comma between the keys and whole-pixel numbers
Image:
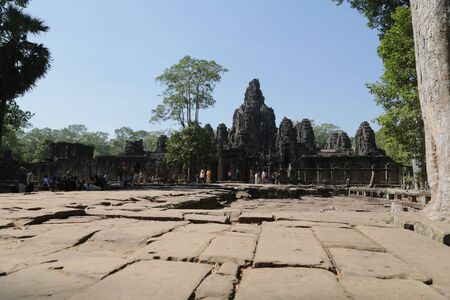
[{"x": 312, "y": 58}]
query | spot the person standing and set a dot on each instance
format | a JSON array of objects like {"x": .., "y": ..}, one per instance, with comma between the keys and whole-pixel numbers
[
  {"x": 238, "y": 175},
  {"x": 230, "y": 175},
  {"x": 22, "y": 180},
  {"x": 123, "y": 174},
  {"x": 209, "y": 176},
  {"x": 30, "y": 182},
  {"x": 202, "y": 176},
  {"x": 257, "y": 178},
  {"x": 264, "y": 177}
]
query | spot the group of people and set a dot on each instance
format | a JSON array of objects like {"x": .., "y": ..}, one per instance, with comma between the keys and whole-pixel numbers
[
  {"x": 205, "y": 176},
  {"x": 135, "y": 177},
  {"x": 73, "y": 183},
  {"x": 263, "y": 177},
  {"x": 25, "y": 181}
]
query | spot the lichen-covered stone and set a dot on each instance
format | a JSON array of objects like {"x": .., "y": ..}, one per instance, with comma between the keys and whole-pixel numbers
[
  {"x": 286, "y": 142},
  {"x": 134, "y": 148},
  {"x": 365, "y": 144},
  {"x": 305, "y": 135},
  {"x": 339, "y": 142},
  {"x": 161, "y": 144},
  {"x": 254, "y": 128}
]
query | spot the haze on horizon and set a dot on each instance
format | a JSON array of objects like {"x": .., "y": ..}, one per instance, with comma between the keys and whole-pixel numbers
[{"x": 312, "y": 58}]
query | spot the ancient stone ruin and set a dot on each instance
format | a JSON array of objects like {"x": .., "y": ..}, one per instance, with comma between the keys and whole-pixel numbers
[{"x": 253, "y": 144}]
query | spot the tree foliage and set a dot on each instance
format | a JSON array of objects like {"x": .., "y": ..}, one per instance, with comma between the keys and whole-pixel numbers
[
  {"x": 378, "y": 12},
  {"x": 32, "y": 145},
  {"x": 22, "y": 62},
  {"x": 189, "y": 87},
  {"x": 190, "y": 148},
  {"x": 397, "y": 93}
]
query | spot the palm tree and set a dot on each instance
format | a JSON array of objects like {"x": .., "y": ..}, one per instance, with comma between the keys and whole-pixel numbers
[{"x": 22, "y": 62}]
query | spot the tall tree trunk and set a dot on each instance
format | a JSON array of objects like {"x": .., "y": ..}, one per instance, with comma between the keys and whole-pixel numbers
[
  {"x": 3, "y": 107},
  {"x": 431, "y": 21}
]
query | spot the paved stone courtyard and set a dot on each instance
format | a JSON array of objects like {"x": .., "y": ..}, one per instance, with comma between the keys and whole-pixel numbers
[{"x": 186, "y": 243}]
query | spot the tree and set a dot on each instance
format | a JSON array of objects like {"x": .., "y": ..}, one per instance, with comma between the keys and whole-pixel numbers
[
  {"x": 22, "y": 62},
  {"x": 190, "y": 148},
  {"x": 397, "y": 94},
  {"x": 322, "y": 132},
  {"x": 431, "y": 23},
  {"x": 378, "y": 12},
  {"x": 189, "y": 87}
]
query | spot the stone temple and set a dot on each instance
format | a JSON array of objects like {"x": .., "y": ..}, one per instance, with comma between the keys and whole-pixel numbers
[{"x": 253, "y": 144}]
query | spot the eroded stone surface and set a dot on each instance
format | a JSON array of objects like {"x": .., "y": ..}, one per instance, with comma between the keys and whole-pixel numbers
[
  {"x": 289, "y": 283},
  {"x": 149, "y": 280},
  {"x": 374, "y": 264},
  {"x": 129, "y": 244},
  {"x": 289, "y": 247},
  {"x": 334, "y": 237},
  {"x": 363, "y": 288},
  {"x": 232, "y": 246}
]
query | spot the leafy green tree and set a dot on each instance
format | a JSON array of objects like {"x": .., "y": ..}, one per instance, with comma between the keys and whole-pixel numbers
[
  {"x": 190, "y": 149},
  {"x": 322, "y": 132},
  {"x": 397, "y": 93},
  {"x": 22, "y": 62},
  {"x": 189, "y": 87},
  {"x": 378, "y": 12}
]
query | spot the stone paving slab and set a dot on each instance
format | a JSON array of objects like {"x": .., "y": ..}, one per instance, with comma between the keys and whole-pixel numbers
[
  {"x": 332, "y": 237},
  {"x": 255, "y": 218},
  {"x": 374, "y": 264},
  {"x": 232, "y": 246},
  {"x": 197, "y": 218},
  {"x": 438, "y": 231},
  {"x": 363, "y": 288},
  {"x": 149, "y": 280},
  {"x": 289, "y": 283},
  {"x": 151, "y": 215},
  {"x": 216, "y": 286},
  {"x": 429, "y": 256},
  {"x": 135, "y": 247},
  {"x": 281, "y": 246},
  {"x": 177, "y": 246}
]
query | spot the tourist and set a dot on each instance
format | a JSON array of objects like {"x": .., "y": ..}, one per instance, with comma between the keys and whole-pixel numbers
[
  {"x": 202, "y": 176},
  {"x": 209, "y": 176},
  {"x": 252, "y": 176},
  {"x": 257, "y": 178},
  {"x": 230, "y": 175},
  {"x": 30, "y": 182},
  {"x": 46, "y": 183},
  {"x": 277, "y": 177},
  {"x": 347, "y": 182},
  {"x": 22, "y": 179},
  {"x": 123, "y": 174},
  {"x": 238, "y": 175},
  {"x": 141, "y": 177},
  {"x": 264, "y": 177},
  {"x": 135, "y": 180}
]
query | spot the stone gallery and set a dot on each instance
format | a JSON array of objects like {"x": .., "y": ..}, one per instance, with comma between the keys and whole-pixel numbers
[{"x": 253, "y": 144}]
